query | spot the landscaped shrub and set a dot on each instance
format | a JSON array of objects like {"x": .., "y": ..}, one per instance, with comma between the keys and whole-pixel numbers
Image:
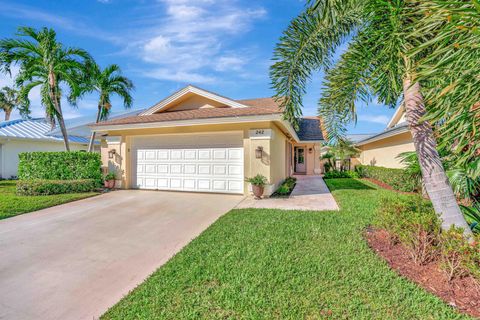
[
  {"x": 459, "y": 258},
  {"x": 398, "y": 179},
  {"x": 334, "y": 174},
  {"x": 414, "y": 224},
  {"x": 60, "y": 166},
  {"x": 39, "y": 187},
  {"x": 286, "y": 187}
]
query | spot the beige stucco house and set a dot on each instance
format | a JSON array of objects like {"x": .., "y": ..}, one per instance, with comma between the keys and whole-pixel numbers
[
  {"x": 382, "y": 149},
  {"x": 199, "y": 141}
]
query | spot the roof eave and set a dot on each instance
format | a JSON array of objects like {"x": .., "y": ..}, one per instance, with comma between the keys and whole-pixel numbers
[{"x": 383, "y": 135}]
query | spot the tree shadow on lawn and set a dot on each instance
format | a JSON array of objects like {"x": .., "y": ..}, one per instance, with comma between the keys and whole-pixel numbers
[{"x": 345, "y": 183}]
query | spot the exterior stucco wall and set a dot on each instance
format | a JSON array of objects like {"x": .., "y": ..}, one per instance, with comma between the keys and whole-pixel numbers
[
  {"x": 194, "y": 102},
  {"x": 312, "y": 157},
  {"x": 383, "y": 152},
  {"x": 11, "y": 149},
  {"x": 272, "y": 149}
]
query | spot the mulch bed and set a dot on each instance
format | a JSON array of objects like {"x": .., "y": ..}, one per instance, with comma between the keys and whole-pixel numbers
[
  {"x": 386, "y": 186},
  {"x": 461, "y": 293}
]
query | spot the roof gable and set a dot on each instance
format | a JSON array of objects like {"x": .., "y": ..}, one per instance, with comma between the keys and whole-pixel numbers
[
  {"x": 398, "y": 117},
  {"x": 189, "y": 91}
]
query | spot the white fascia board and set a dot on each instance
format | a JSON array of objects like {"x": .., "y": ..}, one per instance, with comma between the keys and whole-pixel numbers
[
  {"x": 380, "y": 136},
  {"x": 191, "y": 89},
  {"x": 7, "y": 139},
  {"x": 184, "y": 123},
  {"x": 396, "y": 116}
]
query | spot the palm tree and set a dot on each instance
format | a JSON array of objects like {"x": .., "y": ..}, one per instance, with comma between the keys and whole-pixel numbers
[
  {"x": 44, "y": 63},
  {"x": 106, "y": 83},
  {"x": 378, "y": 62},
  {"x": 8, "y": 101},
  {"x": 450, "y": 73}
]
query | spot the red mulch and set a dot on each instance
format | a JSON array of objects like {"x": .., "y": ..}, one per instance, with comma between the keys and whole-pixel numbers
[
  {"x": 386, "y": 186},
  {"x": 461, "y": 293}
]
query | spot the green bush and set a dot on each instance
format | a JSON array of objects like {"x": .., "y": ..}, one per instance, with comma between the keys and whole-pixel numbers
[
  {"x": 335, "y": 174},
  {"x": 286, "y": 187},
  {"x": 60, "y": 166},
  {"x": 414, "y": 224},
  {"x": 258, "y": 180},
  {"x": 459, "y": 258},
  {"x": 398, "y": 179},
  {"x": 39, "y": 187}
]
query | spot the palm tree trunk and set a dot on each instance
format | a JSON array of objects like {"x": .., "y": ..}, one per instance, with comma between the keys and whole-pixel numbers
[
  {"x": 92, "y": 137},
  {"x": 434, "y": 177},
  {"x": 58, "y": 108},
  {"x": 7, "y": 114}
]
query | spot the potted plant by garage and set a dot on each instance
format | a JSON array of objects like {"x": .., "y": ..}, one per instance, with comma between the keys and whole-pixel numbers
[
  {"x": 109, "y": 180},
  {"x": 258, "y": 185}
]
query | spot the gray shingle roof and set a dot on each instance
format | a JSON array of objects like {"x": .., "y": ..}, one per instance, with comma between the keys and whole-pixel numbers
[
  {"x": 310, "y": 130},
  {"x": 33, "y": 129}
]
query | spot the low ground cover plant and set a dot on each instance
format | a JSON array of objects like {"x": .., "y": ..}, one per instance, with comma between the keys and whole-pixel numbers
[
  {"x": 398, "y": 179},
  {"x": 414, "y": 224},
  {"x": 336, "y": 174},
  {"x": 41, "y": 187},
  {"x": 286, "y": 187}
]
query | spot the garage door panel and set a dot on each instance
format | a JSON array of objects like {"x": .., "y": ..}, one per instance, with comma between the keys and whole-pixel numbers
[{"x": 203, "y": 170}]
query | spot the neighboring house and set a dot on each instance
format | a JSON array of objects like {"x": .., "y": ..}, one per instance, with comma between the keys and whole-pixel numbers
[
  {"x": 382, "y": 149},
  {"x": 18, "y": 136},
  {"x": 196, "y": 140}
]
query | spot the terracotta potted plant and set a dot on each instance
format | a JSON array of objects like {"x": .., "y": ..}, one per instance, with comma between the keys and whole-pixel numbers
[
  {"x": 109, "y": 181},
  {"x": 258, "y": 185}
]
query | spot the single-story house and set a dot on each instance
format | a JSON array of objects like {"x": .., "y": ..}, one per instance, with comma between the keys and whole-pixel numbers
[
  {"x": 25, "y": 135},
  {"x": 382, "y": 149},
  {"x": 199, "y": 141}
]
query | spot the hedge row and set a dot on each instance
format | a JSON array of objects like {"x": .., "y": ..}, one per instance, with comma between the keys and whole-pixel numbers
[
  {"x": 60, "y": 166},
  {"x": 38, "y": 187},
  {"x": 398, "y": 179}
]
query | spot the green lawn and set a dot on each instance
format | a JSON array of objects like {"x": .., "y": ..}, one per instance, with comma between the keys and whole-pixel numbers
[
  {"x": 12, "y": 205},
  {"x": 272, "y": 264}
]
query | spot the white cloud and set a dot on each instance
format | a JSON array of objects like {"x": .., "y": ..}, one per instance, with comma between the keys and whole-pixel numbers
[
  {"x": 180, "y": 76},
  {"x": 381, "y": 119},
  {"x": 190, "y": 41}
]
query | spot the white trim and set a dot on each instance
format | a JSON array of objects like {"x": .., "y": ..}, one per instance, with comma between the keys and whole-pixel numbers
[
  {"x": 8, "y": 139},
  {"x": 396, "y": 116},
  {"x": 191, "y": 122},
  {"x": 191, "y": 89},
  {"x": 383, "y": 136}
]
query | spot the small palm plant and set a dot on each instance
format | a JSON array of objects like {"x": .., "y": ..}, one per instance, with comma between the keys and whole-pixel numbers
[{"x": 46, "y": 63}]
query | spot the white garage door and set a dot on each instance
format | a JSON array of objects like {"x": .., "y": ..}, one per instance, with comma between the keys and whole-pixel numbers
[{"x": 201, "y": 170}]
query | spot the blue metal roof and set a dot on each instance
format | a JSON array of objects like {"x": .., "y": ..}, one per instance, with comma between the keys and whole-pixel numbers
[{"x": 33, "y": 129}]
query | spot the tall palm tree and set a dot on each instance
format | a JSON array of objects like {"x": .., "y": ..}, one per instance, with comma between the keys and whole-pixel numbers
[
  {"x": 8, "y": 101},
  {"x": 46, "y": 63},
  {"x": 107, "y": 82},
  {"x": 378, "y": 62}
]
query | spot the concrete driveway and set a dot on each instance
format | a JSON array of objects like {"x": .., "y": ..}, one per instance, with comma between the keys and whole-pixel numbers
[{"x": 76, "y": 260}]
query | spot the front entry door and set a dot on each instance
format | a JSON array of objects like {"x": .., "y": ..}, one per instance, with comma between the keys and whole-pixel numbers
[{"x": 300, "y": 166}]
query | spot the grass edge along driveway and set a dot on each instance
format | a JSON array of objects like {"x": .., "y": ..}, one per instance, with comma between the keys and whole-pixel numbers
[
  {"x": 264, "y": 264},
  {"x": 12, "y": 205}
]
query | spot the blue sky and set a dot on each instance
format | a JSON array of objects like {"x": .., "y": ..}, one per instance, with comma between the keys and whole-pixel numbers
[{"x": 221, "y": 45}]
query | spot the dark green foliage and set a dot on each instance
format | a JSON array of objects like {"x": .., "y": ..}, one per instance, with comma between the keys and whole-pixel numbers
[
  {"x": 60, "y": 166},
  {"x": 286, "y": 187},
  {"x": 258, "y": 180},
  {"x": 472, "y": 215},
  {"x": 334, "y": 174},
  {"x": 398, "y": 179},
  {"x": 37, "y": 187}
]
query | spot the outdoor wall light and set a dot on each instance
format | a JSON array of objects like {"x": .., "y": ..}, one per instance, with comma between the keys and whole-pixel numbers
[
  {"x": 310, "y": 150},
  {"x": 259, "y": 152},
  {"x": 111, "y": 153}
]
